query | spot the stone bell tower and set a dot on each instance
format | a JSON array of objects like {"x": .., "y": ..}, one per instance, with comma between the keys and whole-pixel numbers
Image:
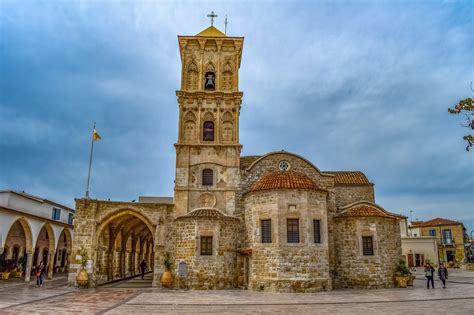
[{"x": 208, "y": 149}]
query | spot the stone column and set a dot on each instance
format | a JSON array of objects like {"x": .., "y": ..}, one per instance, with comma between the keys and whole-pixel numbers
[
  {"x": 51, "y": 265},
  {"x": 29, "y": 263}
]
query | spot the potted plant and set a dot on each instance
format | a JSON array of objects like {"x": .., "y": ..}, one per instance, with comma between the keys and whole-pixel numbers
[
  {"x": 403, "y": 274},
  {"x": 167, "y": 277},
  {"x": 5, "y": 275},
  {"x": 19, "y": 269},
  {"x": 82, "y": 277}
]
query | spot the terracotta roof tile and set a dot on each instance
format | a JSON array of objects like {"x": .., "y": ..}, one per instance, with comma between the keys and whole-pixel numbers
[
  {"x": 367, "y": 211},
  {"x": 349, "y": 177},
  {"x": 284, "y": 180},
  {"x": 434, "y": 222},
  {"x": 206, "y": 213}
]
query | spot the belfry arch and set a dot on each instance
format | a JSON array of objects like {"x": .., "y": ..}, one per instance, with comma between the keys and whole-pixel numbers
[{"x": 124, "y": 239}]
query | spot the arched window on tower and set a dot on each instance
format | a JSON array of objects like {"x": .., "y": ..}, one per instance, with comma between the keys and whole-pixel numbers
[
  {"x": 208, "y": 131},
  {"x": 210, "y": 81},
  {"x": 207, "y": 177}
]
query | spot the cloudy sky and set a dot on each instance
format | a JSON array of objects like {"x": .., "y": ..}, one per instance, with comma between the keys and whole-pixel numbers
[{"x": 350, "y": 85}]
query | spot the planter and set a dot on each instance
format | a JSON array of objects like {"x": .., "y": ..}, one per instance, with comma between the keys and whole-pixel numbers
[
  {"x": 402, "y": 281},
  {"x": 82, "y": 278},
  {"x": 5, "y": 275},
  {"x": 18, "y": 274},
  {"x": 410, "y": 281},
  {"x": 166, "y": 279}
]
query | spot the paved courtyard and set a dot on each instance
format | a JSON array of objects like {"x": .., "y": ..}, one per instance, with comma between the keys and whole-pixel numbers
[{"x": 136, "y": 296}]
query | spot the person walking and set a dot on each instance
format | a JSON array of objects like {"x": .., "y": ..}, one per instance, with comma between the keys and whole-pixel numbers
[
  {"x": 143, "y": 267},
  {"x": 443, "y": 274},
  {"x": 429, "y": 272},
  {"x": 39, "y": 273}
]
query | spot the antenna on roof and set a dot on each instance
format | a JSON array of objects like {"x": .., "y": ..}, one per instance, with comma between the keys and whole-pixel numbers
[{"x": 225, "y": 23}]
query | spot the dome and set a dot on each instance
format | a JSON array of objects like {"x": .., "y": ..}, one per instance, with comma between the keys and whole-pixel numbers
[{"x": 284, "y": 180}]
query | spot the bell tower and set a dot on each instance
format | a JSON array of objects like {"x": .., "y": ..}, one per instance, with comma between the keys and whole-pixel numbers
[{"x": 208, "y": 149}]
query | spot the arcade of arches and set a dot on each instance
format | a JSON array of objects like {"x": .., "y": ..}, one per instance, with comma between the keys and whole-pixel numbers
[
  {"x": 123, "y": 244},
  {"x": 118, "y": 236},
  {"x": 30, "y": 242}
]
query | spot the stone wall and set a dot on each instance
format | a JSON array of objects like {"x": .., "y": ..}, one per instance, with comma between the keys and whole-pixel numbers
[
  {"x": 216, "y": 271},
  {"x": 279, "y": 265},
  {"x": 353, "y": 269},
  {"x": 351, "y": 193}
]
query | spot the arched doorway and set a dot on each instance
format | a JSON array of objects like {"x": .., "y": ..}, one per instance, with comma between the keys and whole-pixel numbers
[
  {"x": 120, "y": 246},
  {"x": 18, "y": 248},
  {"x": 44, "y": 249},
  {"x": 63, "y": 250}
]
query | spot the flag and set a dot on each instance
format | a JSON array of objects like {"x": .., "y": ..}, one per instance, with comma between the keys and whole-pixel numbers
[{"x": 95, "y": 135}]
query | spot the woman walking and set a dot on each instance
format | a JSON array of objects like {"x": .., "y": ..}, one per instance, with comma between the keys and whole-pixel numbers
[
  {"x": 39, "y": 273},
  {"x": 443, "y": 274},
  {"x": 429, "y": 272}
]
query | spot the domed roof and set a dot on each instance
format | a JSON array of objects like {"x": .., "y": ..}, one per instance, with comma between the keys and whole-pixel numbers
[{"x": 284, "y": 180}]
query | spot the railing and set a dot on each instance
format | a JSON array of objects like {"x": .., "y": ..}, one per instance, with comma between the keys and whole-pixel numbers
[{"x": 447, "y": 241}]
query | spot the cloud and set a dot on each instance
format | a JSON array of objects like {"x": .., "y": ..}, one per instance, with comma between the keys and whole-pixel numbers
[{"x": 349, "y": 86}]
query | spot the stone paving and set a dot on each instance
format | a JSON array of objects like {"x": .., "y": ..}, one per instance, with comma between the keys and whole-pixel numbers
[{"x": 136, "y": 296}]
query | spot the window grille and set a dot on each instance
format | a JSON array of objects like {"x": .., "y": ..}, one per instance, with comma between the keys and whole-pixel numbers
[
  {"x": 367, "y": 246},
  {"x": 206, "y": 245},
  {"x": 266, "y": 231},
  {"x": 317, "y": 231},
  {"x": 292, "y": 231},
  {"x": 207, "y": 177}
]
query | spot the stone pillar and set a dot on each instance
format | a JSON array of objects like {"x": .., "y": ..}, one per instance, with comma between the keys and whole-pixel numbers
[
  {"x": 51, "y": 265},
  {"x": 29, "y": 263}
]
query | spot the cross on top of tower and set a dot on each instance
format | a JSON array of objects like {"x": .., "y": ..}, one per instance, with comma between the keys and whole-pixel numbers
[{"x": 212, "y": 16}]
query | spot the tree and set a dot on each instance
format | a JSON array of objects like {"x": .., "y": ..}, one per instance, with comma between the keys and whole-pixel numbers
[{"x": 466, "y": 107}]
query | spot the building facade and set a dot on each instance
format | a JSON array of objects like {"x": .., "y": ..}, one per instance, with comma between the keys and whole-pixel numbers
[
  {"x": 450, "y": 238},
  {"x": 268, "y": 222},
  {"x": 34, "y": 230}
]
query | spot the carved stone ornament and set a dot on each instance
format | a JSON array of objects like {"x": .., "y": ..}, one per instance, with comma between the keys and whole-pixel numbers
[{"x": 207, "y": 200}]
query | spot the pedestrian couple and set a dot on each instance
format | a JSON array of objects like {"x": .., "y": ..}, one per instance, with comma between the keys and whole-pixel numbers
[
  {"x": 39, "y": 273},
  {"x": 429, "y": 274}
]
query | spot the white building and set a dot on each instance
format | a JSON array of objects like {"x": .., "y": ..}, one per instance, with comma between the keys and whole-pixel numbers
[
  {"x": 417, "y": 249},
  {"x": 35, "y": 228}
]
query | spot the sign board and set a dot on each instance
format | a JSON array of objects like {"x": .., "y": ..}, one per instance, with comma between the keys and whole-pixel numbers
[{"x": 182, "y": 269}]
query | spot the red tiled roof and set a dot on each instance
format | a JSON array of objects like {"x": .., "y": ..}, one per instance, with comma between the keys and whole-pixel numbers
[
  {"x": 349, "y": 178},
  {"x": 364, "y": 209},
  {"x": 284, "y": 180},
  {"x": 434, "y": 222},
  {"x": 206, "y": 213}
]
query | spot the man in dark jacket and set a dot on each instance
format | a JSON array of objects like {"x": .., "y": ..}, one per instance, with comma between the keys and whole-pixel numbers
[
  {"x": 429, "y": 273},
  {"x": 143, "y": 268},
  {"x": 443, "y": 274}
]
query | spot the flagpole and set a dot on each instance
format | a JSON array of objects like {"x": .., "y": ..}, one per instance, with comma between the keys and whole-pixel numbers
[{"x": 90, "y": 165}]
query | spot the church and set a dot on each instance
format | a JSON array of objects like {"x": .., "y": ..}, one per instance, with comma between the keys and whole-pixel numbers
[{"x": 271, "y": 222}]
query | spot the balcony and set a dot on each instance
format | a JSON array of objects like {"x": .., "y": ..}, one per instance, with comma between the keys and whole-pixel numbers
[{"x": 448, "y": 242}]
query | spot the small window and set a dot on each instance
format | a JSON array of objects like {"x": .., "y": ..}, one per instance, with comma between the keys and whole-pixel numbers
[
  {"x": 207, "y": 177},
  {"x": 432, "y": 232},
  {"x": 56, "y": 214},
  {"x": 206, "y": 245},
  {"x": 367, "y": 246},
  {"x": 292, "y": 231},
  {"x": 70, "y": 218},
  {"x": 208, "y": 131},
  {"x": 266, "y": 231},
  {"x": 317, "y": 231}
]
